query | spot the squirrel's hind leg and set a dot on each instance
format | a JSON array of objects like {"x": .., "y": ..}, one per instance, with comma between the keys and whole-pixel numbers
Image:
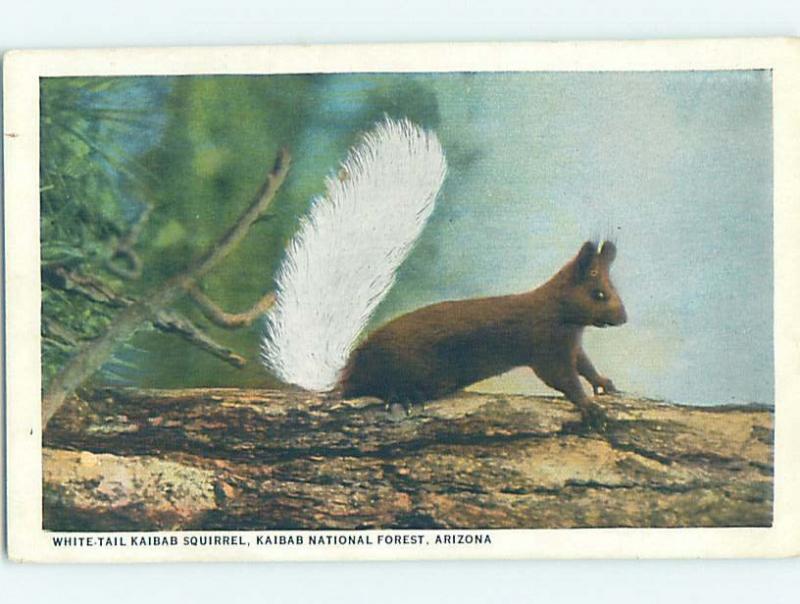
[{"x": 405, "y": 402}]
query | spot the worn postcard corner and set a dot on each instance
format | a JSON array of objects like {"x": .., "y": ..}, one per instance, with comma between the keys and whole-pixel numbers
[{"x": 433, "y": 301}]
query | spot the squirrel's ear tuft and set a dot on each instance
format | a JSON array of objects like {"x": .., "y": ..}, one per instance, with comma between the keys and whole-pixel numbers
[
  {"x": 584, "y": 259},
  {"x": 608, "y": 251}
]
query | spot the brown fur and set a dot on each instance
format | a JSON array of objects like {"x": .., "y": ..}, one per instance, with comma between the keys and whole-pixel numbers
[{"x": 438, "y": 349}]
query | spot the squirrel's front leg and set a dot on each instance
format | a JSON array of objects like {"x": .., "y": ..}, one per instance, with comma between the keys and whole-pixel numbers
[
  {"x": 568, "y": 382},
  {"x": 600, "y": 384}
]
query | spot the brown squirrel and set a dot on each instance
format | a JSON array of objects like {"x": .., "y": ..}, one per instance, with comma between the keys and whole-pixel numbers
[
  {"x": 343, "y": 261},
  {"x": 438, "y": 349}
]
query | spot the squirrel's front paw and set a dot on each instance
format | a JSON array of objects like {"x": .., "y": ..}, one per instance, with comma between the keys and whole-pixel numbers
[{"x": 603, "y": 385}]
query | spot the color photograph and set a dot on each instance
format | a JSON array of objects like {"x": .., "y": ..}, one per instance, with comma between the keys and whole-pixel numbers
[{"x": 371, "y": 300}]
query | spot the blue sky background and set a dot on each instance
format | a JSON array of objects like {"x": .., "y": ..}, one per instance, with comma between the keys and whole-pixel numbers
[{"x": 675, "y": 166}]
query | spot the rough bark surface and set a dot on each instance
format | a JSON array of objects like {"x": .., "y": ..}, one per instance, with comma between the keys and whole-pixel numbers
[{"x": 126, "y": 459}]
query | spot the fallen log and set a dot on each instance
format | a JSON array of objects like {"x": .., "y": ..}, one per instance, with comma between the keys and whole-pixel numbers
[{"x": 131, "y": 459}]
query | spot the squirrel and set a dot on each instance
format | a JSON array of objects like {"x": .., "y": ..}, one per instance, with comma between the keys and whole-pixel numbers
[{"x": 342, "y": 263}]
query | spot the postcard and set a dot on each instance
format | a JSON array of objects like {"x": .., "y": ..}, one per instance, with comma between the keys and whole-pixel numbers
[{"x": 427, "y": 301}]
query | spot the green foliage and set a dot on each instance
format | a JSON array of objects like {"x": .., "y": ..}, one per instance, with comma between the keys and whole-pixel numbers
[
  {"x": 87, "y": 179},
  {"x": 222, "y": 134},
  {"x": 194, "y": 150},
  {"x": 221, "y": 140}
]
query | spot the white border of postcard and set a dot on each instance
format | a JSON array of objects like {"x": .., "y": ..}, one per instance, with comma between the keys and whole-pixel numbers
[{"x": 27, "y": 541}]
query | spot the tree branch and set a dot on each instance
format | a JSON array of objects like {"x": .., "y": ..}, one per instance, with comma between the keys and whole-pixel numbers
[
  {"x": 171, "y": 322},
  {"x": 278, "y": 459},
  {"x": 126, "y": 252},
  {"x": 130, "y": 319},
  {"x": 85, "y": 285},
  {"x": 129, "y": 255},
  {"x": 58, "y": 333},
  {"x": 221, "y": 318}
]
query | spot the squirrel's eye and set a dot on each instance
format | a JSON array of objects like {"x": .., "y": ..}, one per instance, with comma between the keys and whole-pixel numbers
[{"x": 599, "y": 294}]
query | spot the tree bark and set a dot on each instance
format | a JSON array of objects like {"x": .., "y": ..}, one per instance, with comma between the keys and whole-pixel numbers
[{"x": 126, "y": 459}]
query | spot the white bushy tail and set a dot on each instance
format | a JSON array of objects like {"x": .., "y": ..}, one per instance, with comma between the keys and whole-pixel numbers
[{"x": 342, "y": 262}]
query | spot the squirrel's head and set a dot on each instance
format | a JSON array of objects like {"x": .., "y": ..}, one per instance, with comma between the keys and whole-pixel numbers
[{"x": 590, "y": 297}]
